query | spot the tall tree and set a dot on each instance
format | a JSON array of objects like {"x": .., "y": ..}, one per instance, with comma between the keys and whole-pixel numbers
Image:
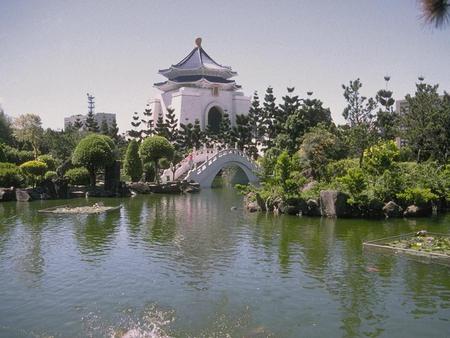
[
  {"x": 161, "y": 127},
  {"x": 270, "y": 112},
  {"x": 147, "y": 121},
  {"x": 359, "y": 114},
  {"x": 104, "y": 128},
  {"x": 242, "y": 134},
  {"x": 185, "y": 137},
  {"x": 135, "y": 132},
  {"x": 28, "y": 129},
  {"x": 426, "y": 122},
  {"x": 224, "y": 135},
  {"x": 172, "y": 125},
  {"x": 387, "y": 119},
  {"x": 5, "y": 128},
  {"x": 113, "y": 131},
  {"x": 255, "y": 120},
  {"x": 198, "y": 138},
  {"x": 91, "y": 123}
]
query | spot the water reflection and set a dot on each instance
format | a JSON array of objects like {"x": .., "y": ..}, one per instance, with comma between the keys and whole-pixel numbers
[{"x": 219, "y": 268}]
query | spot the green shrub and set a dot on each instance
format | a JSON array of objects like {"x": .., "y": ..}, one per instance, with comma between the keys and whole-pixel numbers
[
  {"x": 48, "y": 160},
  {"x": 340, "y": 168},
  {"x": 50, "y": 175},
  {"x": 2, "y": 153},
  {"x": 380, "y": 157},
  {"x": 417, "y": 196},
  {"x": 77, "y": 176},
  {"x": 354, "y": 182},
  {"x": 154, "y": 148},
  {"x": 94, "y": 152},
  {"x": 33, "y": 170},
  {"x": 132, "y": 164},
  {"x": 10, "y": 175},
  {"x": 17, "y": 156}
]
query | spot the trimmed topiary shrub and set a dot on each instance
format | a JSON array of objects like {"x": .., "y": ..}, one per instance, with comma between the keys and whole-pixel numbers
[
  {"x": 33, "y": 170},
  {"x": 10, "y": 175},
  {"x": 50, "y": 175},
  {"x": 94, "y": 152},
  {"x": 132, "y": 164},
  {"x": 17, "y": 156},
  {"x": 154, "y": 148},
  {"x": 77, "y": 176},
  {"x": 417, "y": 196},
  {"x": 48, "y": 160}
]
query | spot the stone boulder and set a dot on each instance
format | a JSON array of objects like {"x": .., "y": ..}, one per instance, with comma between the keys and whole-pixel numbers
[
  {"x": 250, "y": 203},
  {"x": 313, "y": 208},
  {"x": 293, "y": 206},
  {"x": 139, "y": 187},
  {"x": 333, "y": 203},
  {"x": 22, "y": 195},
  {"x": 7, "y": 194},
  {"x": 61, "y": 188},
  {"x": 418, "y": 211},
  {"x": 392, "y": 210},
  {"x": 260, "y": 202}
]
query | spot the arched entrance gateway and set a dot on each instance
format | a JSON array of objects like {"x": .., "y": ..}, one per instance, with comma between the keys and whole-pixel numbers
[{"x": 214, "y": 118}]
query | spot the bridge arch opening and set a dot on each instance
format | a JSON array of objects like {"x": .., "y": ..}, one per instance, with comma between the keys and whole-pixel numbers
[
  {"x": 230, "y": 175},
  {"x": 214, "y": 118}
]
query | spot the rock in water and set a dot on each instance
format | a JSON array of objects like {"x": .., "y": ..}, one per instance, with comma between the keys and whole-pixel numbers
[
  {"x": 333, "y": 203},
  {"x": 22, "y": 195},
  {"x": 418, "y": 211},
  {"x": 392, "y": 209}
]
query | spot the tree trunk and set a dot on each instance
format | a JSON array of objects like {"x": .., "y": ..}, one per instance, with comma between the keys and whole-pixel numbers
[
  {"x": 92, "y": 178},
  {"x": 156, "y": 172}
]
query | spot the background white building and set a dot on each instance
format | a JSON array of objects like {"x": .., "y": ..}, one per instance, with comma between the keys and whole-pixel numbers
[
  {"x": 198, "y": 87},
  {"x": 110, "y": 118}
]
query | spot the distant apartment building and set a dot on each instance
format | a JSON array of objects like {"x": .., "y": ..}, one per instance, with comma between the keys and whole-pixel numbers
[{"x": 110, "y": 118}]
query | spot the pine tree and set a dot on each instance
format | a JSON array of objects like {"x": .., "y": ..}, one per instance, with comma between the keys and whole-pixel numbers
[
  {"x": 242, "y": 134},
  {"x": 91, "y": 124},
  {"x": 161, "y": 127},
  {"x": 104, "y": 129},
  {"x": 270, "y": 112},
  {"x": 132, "y": 164},
  {"x": 114, "y": 131},
  {"x": 198, "y": 138},
  {"x": 287, "y": 108},
  {"x": 171, "y": 125},
  {"x": 78, "y": 124},
  {"x": 387, "y": 119},
  {"x": 255, "y": 121},
  {"x": 359, "y": 114},
  {"x": 135, "y": 133},
  {"x": 185, "y": 137},
  {"x": 224, "y": 134},
  {"x": 148, "y": 121}
]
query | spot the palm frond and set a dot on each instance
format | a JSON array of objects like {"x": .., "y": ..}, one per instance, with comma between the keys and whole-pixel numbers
[{"x": 436, "y": 12}]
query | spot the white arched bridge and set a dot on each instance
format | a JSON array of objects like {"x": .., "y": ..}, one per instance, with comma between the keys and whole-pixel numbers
[{"x": 203, "y": 165}]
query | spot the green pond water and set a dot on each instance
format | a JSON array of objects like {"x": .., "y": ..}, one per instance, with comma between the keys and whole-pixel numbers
[{"x": 190, "y": 266}]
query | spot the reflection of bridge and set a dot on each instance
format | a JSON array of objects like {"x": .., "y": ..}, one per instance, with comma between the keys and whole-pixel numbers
[{"x": 203, "y": 165}]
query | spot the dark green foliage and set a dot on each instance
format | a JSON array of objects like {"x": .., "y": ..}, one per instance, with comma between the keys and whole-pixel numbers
[
  {"x": 10, "y": 175},
  {"x": 154, "y": 148},
  {"x": 268, "y": 120},
  {"x": 387, "y": 121},
  {"x": 2, "y": 153},
  {"x": 198, "y": 137},
  {"x": 148, "y": 122},
  {"x": 359, "y": 114},
  {"x": 417, "y": 196},
  {"x": 113, "y": 131},
  {"x": 104, "y": 128},
  {"x": 33, "y": 170},
  {"x": 161, "y": 128},
  {"x": 426, "y": 124},
  {"x": 5, "y": 128},
  {"x": 77, "y": 176},
  {"x": 16, "y": 156},
  {"x": 171, "y": 126},
  {"x": 93, "y": 152},
  {"x": 135, "y": 132},
  {"x": 132, "y": 163},
  {"x": 224, "y": 135},
  {"x": 48, "y": 160},
  {"x": 319, "y": 147},
  {"x": 61, "y": 144},
  {"x": 91, "y": 124},
  {"x": 242, "y": 134}
]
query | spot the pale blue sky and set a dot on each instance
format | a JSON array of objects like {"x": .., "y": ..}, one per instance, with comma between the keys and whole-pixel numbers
[{"x": 53, "y": 52}]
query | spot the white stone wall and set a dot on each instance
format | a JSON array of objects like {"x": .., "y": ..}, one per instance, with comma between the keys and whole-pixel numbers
[{"x": 194, "y": 103}]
